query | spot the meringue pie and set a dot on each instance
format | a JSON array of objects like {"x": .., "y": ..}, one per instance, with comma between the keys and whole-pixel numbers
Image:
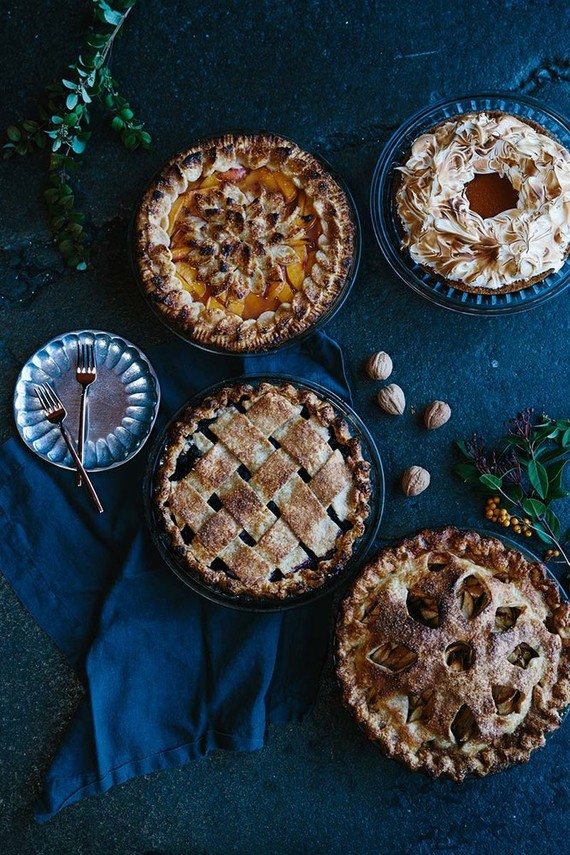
[
  {"x": 244, "y": 241},
  {"x": 483, "y": 200}
]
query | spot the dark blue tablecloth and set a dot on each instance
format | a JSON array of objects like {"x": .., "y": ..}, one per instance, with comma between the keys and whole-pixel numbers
[{"x": 168, "y": 675}]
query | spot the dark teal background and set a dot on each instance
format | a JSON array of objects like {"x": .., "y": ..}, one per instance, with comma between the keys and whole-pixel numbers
[{"x": 338, "y": 77}]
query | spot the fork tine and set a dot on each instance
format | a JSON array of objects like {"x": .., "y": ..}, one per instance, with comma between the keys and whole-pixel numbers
[
  {"x": 80, "y": 357},
  {"x": 91, "y": 356},
  {"x": 52, "y": 396},
  {"x": 41, "y": 397}
]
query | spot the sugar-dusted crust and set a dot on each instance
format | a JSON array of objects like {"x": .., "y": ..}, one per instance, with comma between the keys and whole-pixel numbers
[
  {"x": 261, "y": 491},
  {"x": 220, "y": 327},
  {"x": 411, "y": 711}
]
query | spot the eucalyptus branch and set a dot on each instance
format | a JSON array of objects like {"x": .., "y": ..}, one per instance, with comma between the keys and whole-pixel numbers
[{"x": 64, "y": 120}]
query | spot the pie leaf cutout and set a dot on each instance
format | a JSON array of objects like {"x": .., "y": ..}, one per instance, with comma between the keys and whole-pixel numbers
[
  {"x": 507, "y": 699},
  {"x": 420, "y": 706},
  {"x": 422, "y": 608},
  {"x": 393, "y": 657},
  {"x": 437, "y": 562},
  {"x": 464, "y": 726},
  {"x": 506, "y": 617},
  {"x": 473, "y": 596},
  {"x": 459, "y": 656},
  {"x": 522, "y": 655}
]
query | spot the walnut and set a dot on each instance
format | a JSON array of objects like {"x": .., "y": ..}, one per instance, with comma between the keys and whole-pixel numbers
[
  {"x": 415, "y": 480},
  {"x": 437, "y": 414},
  {"x": 379, "y": 366},
  {"x": 392, "y": 399}
]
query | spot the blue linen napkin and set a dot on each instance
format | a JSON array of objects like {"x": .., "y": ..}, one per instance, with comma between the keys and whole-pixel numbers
[{"x": 169, "y": 676}]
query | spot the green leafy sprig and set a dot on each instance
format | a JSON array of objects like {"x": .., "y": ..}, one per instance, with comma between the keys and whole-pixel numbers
[
  {"x": 63, "y": 122},
  {"x": 526, "y": 470}
]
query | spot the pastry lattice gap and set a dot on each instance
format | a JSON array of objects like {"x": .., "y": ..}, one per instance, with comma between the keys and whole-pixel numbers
[
  {"x": 188, "y": 459},
  {"x": 473, "y": 598}
]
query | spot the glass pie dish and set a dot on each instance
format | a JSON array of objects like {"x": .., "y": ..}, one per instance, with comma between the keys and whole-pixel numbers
[
  {"x": 388, "y": 228},
  {"x": 250, "y": 258},
  {"x": 171, "y": 548},
  {"x": 452, "y": 652}
]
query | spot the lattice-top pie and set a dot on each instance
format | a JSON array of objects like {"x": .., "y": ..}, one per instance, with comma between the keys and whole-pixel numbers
[
  {"x": 262, "y": 490},
  {"x": 454, "y": 653},
  {"x": 244, "y": 241}
]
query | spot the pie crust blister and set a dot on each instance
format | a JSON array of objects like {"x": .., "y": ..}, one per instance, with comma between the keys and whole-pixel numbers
[
  {"x": 453, "y": 653},
  {"x": 262, "y": 491},
  {"x": 244, "y": 241}
]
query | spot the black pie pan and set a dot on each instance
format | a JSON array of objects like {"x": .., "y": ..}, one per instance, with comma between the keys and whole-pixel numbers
[
  {"x": 320, "y": 322},
  {"x": 361, "y": 547}
]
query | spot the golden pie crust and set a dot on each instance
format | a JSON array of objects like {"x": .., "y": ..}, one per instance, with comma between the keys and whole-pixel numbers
[
  {"x": 261, "y": 491},
  {"x": 453, "y": 653},
  {"x": 240, "y": 236}
]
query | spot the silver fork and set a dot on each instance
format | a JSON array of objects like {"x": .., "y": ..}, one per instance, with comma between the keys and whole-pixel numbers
[
  {"x": 55, "y": 414},
  {"x": 86, "y": 373}
]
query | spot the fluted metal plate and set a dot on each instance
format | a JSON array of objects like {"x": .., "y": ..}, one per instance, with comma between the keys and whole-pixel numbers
[{"x": 122, "y": 402}]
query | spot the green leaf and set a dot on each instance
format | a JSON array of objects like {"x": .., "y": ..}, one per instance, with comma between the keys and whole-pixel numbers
[
  {"x": 71, "y": 100},
  {"x": 533, "y": 507},
  {"x": 467, "y": 472},
  {"x": 51, "y": 195},
  {"x": 112, "y": 17},
  {"x": 553, "y": 522},
  {"x": 541, "y": 533},
  {"x": 565, "y": 440},
  {"x": 21, "y": 148},
  {"x": 538, "y": 478},
  {"x": 81, "y": 266},
  {"x": 78, "y": 146},
  {"x": 126, "y": 114},
  {"x": 514, "y": 492},
  {"x": 555, "y": 493},
  {"x": 117, "y": 124},
  {"x": 13, "y": 133},
  {"x": 145, "y": 138},
  {"x": 29, "y": 126},
  {"x": 491, "y": 481}
]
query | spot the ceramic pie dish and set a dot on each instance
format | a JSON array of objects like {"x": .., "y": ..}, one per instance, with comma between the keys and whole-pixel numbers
[
  {"x": 264, "y": 493},
  {"x": 477, "y": 249},
  {"x": 245, "y": 242},
  {"x": 453, "y": 653}
]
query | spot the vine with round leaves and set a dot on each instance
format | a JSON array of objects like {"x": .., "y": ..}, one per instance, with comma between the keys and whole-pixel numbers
[{"x": 62, "y": 126}]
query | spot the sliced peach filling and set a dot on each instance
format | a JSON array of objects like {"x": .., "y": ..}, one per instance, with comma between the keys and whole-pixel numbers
[{"x": 291, "y": 275}]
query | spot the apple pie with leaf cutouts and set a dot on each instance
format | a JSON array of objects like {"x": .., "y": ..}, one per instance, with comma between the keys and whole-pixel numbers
[
  {"x": 244, "y": 241},
  {"x": 453, "y": 653}
]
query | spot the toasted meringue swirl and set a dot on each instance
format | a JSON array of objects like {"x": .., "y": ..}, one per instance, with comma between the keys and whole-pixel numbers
[{"x": 503, "y": 252}]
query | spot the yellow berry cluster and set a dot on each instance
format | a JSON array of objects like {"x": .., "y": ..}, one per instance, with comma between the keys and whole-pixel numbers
[
  {"x": 551, "y": 553},
  {"x": 501, "y": 516}
]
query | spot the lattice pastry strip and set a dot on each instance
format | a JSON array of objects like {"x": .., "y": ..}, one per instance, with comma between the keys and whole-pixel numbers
[
  {"x": 245, "y": 506},
  {"x": 242, "y": 437},
  {"x": 270, "y": 412},
  {"x": 305, "y": 444},
  {"x": 306, "y": 516}
]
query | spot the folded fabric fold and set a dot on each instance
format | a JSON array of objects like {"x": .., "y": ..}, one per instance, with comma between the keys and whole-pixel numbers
[{"x": 169, "y": 676}]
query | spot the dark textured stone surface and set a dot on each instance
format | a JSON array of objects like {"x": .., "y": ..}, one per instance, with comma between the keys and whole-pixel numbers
[{"x": 337, "y": 77}]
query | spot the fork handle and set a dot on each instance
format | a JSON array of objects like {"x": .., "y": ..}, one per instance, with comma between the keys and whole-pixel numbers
[
  {"x": 79, "y": 464},
  {"x": 81, "y": 433}
]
